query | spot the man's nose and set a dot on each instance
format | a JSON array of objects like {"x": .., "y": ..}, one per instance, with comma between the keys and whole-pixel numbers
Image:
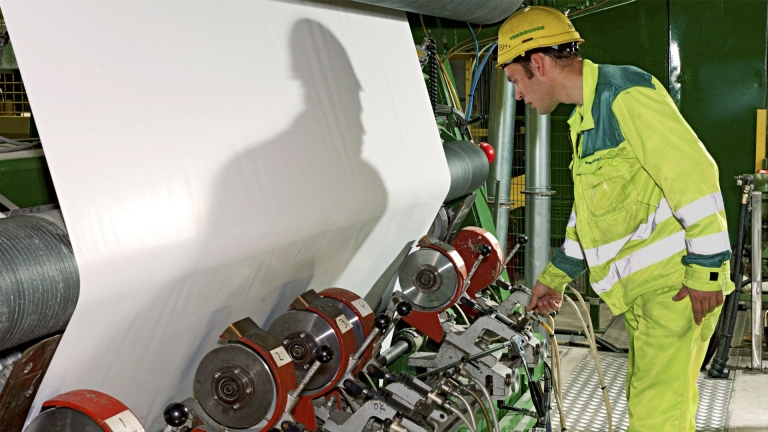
[{"x": 518, "y": 94}]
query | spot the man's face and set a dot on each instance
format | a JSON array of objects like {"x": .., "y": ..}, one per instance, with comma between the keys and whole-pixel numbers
[{"x": 536, "y": 91}]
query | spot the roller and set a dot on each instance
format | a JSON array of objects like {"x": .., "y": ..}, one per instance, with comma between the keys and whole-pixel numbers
[
  {"x": 474, "y": 11},
  {"x": 39, "y": 281},
  {"x": 468, "y": 166}
]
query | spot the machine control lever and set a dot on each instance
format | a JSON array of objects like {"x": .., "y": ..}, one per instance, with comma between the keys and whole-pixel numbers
[
  {"x": 519, "y": 241},
  {"x": 323, "y": 355}
]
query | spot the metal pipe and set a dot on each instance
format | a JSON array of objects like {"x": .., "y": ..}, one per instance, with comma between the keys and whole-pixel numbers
[
  {"x": 488, "y": 421},
  {"x": 394, "y": 352},
  {"x": 474, "y": 11},
  {"x": 466, "y": 404},
  {"x": 502, "y": 138},
  {"x": 538, "y": 193},
  {"x": 757, "y": 281},
  {"x": 487, "y": 396},
  {"x": 461, "y": 416}
]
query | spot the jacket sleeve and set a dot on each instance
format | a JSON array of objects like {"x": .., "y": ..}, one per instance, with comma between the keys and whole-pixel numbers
[
  {"x": 567, "y": 262},
  {"x": 671, "y": 153}
]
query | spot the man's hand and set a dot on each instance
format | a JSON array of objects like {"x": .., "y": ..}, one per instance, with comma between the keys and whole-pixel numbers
[
  {"x": 544, "y": 299},
  {"x": 702, "y": 302}
]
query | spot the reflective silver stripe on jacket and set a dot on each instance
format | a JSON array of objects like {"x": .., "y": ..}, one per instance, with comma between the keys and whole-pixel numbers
[
  {"x": 602, "y": 254},
  {"x": 647, "y": 256},
  {"x": 699, "y": 209},
  {"x": 709, "y": 244}
]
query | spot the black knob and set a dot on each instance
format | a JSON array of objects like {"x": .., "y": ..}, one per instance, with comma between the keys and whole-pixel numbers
[
  {"x": 522, "y": 239},
  {"x": 353, "y": 387},
  {"x": 377, "y": 371},
  {"x": 485, "y": 250},
  {"x": 382, "y": 321},
  {"x": 175, "y": 414},
  {"x": 404, "y": 308},
  {"x": 324, "y": 354}
]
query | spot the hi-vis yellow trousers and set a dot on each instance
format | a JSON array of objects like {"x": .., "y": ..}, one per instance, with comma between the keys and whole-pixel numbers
[{"x": 666, "y": 350}]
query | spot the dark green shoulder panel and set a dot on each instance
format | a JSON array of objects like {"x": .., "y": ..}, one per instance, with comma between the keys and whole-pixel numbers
[{"x": 611, "y": 80}]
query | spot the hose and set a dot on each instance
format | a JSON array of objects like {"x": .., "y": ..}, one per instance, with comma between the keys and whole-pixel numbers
[
  {"x": 593, "y": 349},
  {"x": 480, "y": 402},
  {"x": 556, "y": 381},
  {"x": 728, "y": 318},
  {"x": 461, "y": 417},
  {"x": 468, "y": 406},
  {"x": 488, "y": 398}
]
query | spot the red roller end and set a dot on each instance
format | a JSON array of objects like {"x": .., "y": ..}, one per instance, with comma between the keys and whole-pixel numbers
[{"x": 489, "y": 152}]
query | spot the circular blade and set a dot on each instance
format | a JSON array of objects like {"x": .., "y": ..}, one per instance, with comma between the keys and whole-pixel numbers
[
  {"x": 428, "y": 280},
  {"x": 63, "y": 419},
  {"x": 357, "y": 325},
  {"x": 310, "y": 331},
  {"x": 235, "y": 386}
]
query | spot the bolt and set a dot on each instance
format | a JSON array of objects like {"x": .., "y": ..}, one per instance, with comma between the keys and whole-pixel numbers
[
  {"x": 217, "y": 374},
  {"x": 236, "y": 406},
  {"x": 302, "y": 334},
  {"x": 29, "y": 392},
  {"x": 215, "y": 397},
  {"x": 28, "y": 368},
  {"x": 237, "y": 371},
  {"x": 508, "y": 380},
  {"x": 248, "y": 390},
  {"x": 285, "y": 342},
  {"x": 306, "y": 366}
]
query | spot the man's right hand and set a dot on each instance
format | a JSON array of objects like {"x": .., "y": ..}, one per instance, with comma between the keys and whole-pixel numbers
[{"x": 544, "y": 299}]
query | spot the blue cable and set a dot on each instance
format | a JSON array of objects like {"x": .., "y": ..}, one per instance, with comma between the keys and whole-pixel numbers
[{"x": 475, "y": 80}]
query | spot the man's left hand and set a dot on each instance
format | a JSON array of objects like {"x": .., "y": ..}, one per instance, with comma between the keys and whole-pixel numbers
[{"x": 702, "y": 302}]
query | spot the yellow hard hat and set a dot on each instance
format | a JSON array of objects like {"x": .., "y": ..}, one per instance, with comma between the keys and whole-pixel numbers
[{"x": 534, "y": 27}]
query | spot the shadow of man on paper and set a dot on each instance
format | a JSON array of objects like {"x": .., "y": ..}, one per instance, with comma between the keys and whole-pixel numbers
[{"x": 305, "y": 201}]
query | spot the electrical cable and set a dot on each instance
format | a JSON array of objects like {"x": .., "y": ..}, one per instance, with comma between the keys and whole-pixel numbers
[
  {"x": 370, "y": 381},
  {"x": 488, "y": 398},
  {"x": 593, "y": 350},
  {"x": 17, "y": 142},
  {"x": 18, "y": 148},
  {"x": 480, "y": 402},
  {"x": 468, "y": 406},
  {"x": 461, "y": 417},
  {"x": 476, "y": 80},
  {"x": 463, "y": 315}
]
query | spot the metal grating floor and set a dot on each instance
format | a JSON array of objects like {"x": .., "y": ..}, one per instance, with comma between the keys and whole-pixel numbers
[
  {"x": 585, "y": 411},
  {"x": 583, "y": 400}
]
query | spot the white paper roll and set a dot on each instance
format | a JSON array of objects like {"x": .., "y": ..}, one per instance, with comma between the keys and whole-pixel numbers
[{"x": 214, "y": 159}]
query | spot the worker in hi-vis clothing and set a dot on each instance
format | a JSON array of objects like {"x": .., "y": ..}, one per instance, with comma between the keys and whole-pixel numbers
[{"x": 647, "y": 218}]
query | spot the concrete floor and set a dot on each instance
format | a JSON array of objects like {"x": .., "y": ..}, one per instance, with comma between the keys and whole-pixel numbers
[{"x": 748, "y": 402}]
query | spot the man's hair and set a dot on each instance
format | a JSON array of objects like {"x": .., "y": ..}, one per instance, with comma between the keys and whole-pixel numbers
[{"x": 563, "y": 57}]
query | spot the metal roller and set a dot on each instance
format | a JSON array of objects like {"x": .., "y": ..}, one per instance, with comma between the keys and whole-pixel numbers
[
  {"x": 235, "y": 386},
  {"x": 468, "y": 166},
  {"x": 474, "y": 11},
  {"x": 429, "y": 280},
  {"x": 302, "y": 332},
  {"x": 39, "y": 281}
]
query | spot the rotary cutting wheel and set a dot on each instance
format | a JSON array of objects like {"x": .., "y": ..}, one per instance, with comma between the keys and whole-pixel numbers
[
  {"x": 235, "y": 386},
  {"x": 428, "y": 279}
]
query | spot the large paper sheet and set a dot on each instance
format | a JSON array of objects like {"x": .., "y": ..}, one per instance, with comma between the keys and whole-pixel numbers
[{"x": 213, "y": 160}]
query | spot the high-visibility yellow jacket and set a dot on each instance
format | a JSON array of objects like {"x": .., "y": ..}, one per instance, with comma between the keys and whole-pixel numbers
[{"x": 647, "y": 211}]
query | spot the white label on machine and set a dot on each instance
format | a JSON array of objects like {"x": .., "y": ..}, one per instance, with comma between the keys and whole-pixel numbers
[
  {"x": 362, "y": 307},
  {"x": 281, "y": 356},
  {"x": 343, "y": 324},
  {"x": 124, "y": 422}
]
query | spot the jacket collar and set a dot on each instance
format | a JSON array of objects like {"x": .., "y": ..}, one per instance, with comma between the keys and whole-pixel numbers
[{"x": 581, "y": 120}]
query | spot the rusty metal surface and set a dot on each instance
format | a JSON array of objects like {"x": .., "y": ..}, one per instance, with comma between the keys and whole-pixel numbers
[{"x": 23, "y": 383}]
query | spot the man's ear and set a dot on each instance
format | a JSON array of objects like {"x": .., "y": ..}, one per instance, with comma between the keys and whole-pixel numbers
[{"x": 539, "y": 65}]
